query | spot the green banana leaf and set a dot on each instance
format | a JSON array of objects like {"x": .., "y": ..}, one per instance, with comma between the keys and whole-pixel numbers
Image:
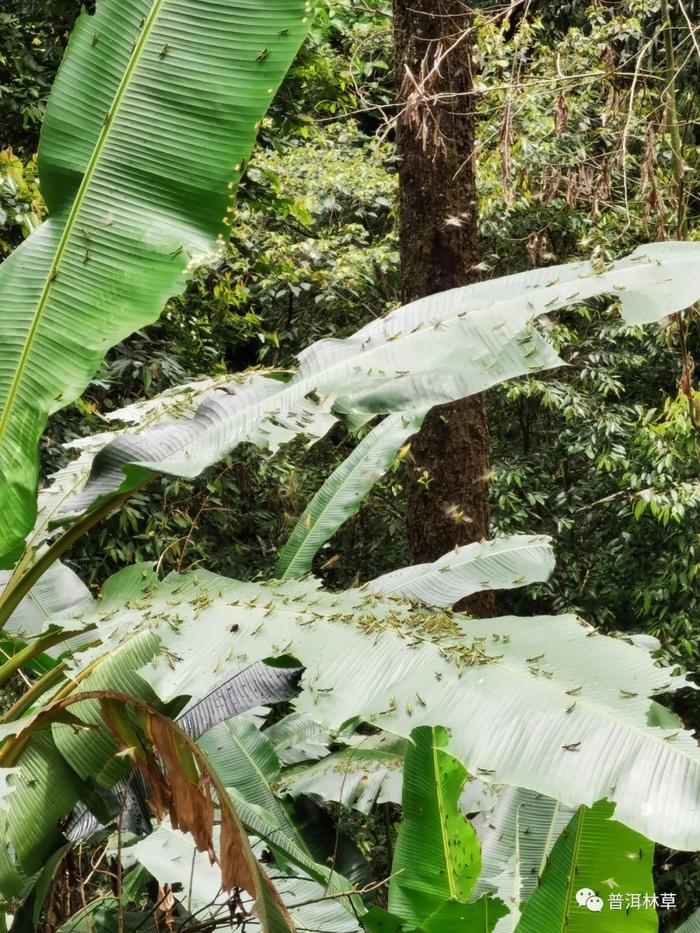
[
  {"x": 40, "y": 792},
  {"x": 245, "y": 760},
  {"x": 379, "y": 921},
  {"x": 343, "y": 493},
  {"x": 480, "y": 917},
  {"x": 437, "y": 857},
  {"x": 153, "y": 114},
  {"x": 453, "y": 917},
  {"x": 594, "y": 858}
]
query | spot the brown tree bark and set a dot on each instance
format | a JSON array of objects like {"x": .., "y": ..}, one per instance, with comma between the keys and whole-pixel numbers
[{"x": 448, "y": 484}]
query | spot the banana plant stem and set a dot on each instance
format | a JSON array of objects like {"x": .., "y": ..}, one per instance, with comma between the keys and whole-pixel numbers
[
  {"x": 37, "y": 690},
  {"x": 18, "y": 589},
  {"x": 31, "y": 651}
]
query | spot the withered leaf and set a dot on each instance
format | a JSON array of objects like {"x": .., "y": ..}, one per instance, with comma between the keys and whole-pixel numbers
[{"x": 191, "y": 806}]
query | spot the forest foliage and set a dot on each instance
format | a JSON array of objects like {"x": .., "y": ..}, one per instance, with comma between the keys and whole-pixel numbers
[{"x": 594, "y": 447}]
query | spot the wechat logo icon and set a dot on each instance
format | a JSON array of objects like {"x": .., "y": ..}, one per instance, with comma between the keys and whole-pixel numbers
[{"x": 589, "y": 899}]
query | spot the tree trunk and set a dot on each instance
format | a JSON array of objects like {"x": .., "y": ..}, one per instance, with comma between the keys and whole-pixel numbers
[{"x": 448, "y": 485}]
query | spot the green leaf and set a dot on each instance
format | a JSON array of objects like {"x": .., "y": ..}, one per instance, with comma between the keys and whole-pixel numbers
[
  {"x": 597, "y": 856},
  {"x": 485, "y": 565},
  {"x": 479, "y": 917},
  {"x": 43, "y": 791},
  {"x": 343, "y": 493},
  {"x": 154, "y": 111},
  {"x": 45, "y": 881},
  {"x": 246, "y": 763},
  {"x": 250, "y": 686},
  {"x": 245, "y": 760},
  {"x": 258, "y": 409},
  {"x": 437, "y": 857},
  {"x": 379, "y": 921}
]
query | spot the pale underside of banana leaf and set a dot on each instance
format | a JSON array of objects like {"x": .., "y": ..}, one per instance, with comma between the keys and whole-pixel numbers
[
  {"x": 435, "y": 350},
  {"x": 544, "y": 703},
  {"x": 170, "y": 856},
  {"x": 501, "y": 564},
  {"x": 691, "y": 925}
]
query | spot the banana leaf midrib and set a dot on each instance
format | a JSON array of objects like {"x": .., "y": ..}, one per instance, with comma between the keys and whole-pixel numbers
[
  {"x": 145, "y": 33},
  {"x": 449, "y": 870},
  {"x": 580, "y": 819}
]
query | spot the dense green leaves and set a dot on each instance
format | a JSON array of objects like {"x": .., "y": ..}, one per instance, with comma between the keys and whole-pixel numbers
[
  {"x": 437, "y": 857},
  {"x": 594, "y": 858},
  {"x": 154, "y": 111}
]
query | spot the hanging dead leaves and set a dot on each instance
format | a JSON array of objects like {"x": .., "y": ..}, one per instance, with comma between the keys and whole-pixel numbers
[{"x": 183, "y": 787}]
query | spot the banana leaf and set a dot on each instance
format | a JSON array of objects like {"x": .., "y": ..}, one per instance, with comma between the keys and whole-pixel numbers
[
  {"x": 152, "y": 116},
  {"x": 438, "y": 349}
]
